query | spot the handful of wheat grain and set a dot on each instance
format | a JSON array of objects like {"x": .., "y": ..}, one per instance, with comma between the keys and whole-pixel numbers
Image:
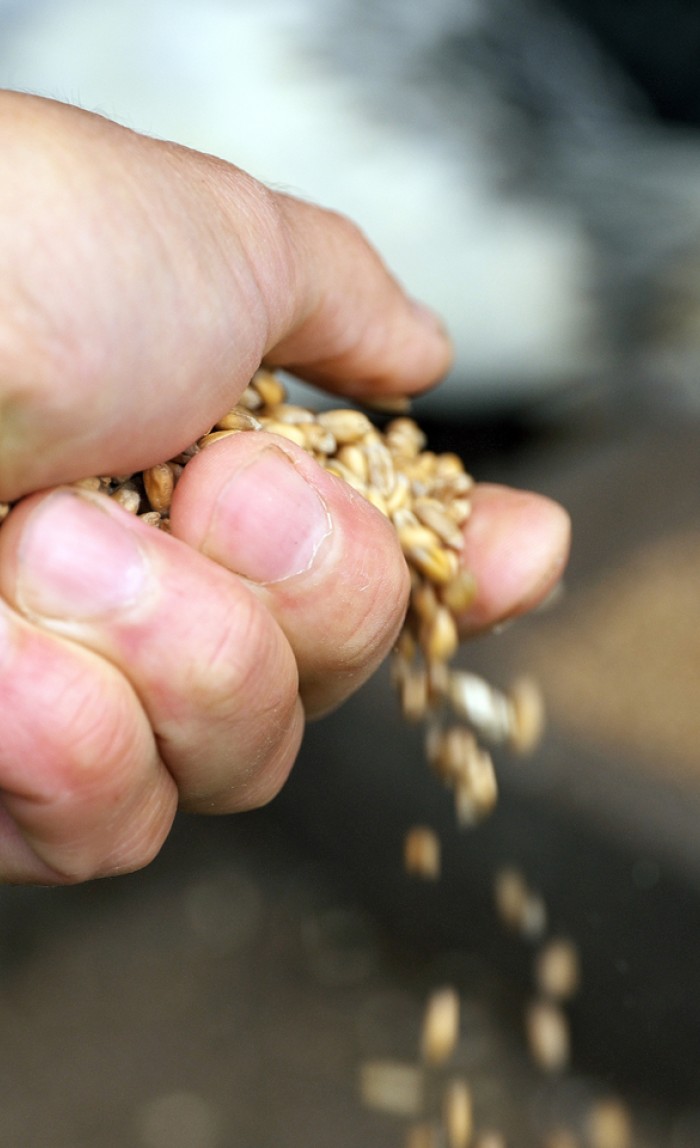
[{"x": 427, "y": 497}]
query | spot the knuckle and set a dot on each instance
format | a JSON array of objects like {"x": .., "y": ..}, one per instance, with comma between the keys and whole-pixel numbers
[
  {"x": 96, "y": 731},
  {"x": 243, "y": 668}
]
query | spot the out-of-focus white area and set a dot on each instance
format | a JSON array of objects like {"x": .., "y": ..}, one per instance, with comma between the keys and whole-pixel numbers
[{"x": 240, "y": 79}]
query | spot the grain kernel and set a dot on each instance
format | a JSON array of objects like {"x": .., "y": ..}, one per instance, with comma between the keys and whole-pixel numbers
[
  {"x": 400, "y": 496},
  {"x": 484, "y": 707},
  {"x": 511, "y": 895},
  {"x": 214, "y": 436},
  {"x": 457, "y": 1114},
  {"x": 317, "y": 440},
  {"x": 378, "y": 501},
  {"x": 414, "y": 695},
  {"x": 440, "y": 639},
  {"x": 448, "y": 465},
  {"x": 433, "y": 514},
  {"x": 159, "y": 482},
  {"x": 519, "y": 908},
  {"x": 238, "y": 419},
  {"x": 557, "y": 972},
  {"x": 340, "y": 470},
  {"x": 609, "y": 1126},
  {"x": 93, "y": 483},
  {"x": 405, "y": 438},
  {"x": 451, "y": 750},
  {"x": 459, "y": 594},
  {"x": 251, "y": 399},
  {"x": 380, "y": 468},
  {"x": 345, "y": 424},
  {"x": 289, "y": 431},
  {"x": 435, "y": 562},
  {"x": 422, "y": 852},
  {"x": 424, "y": 600},
  {"x": 548, "y": 1036},
  {"x": 271, "y": 390},
  {"x": 353, "y": 456},
  {"x": 476, "y": 789},
  {"x": 459, "y": 509},
  {"x": 440, "y": 1026},
  {"x": 526, "y": 715},
  {"x": 127, "y": 496},
  {"x": 291, "y": 413},
  {"x": 414, "y": 537}
]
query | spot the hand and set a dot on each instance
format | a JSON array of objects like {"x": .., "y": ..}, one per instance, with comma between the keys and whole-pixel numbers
[{"x": 140, "y": 671}]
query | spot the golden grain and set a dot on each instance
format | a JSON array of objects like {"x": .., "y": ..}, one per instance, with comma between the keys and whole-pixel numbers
[
  {"x": 289, "y": 431},
  {"x": 238, "y": 419},
  {"x": 439, "y": 636},
  {"x": 92, "y": 484},
  {"x": 345, "y": 424},
  {"x": 459, "y": 594},
  {"x": 128, "y": 497},
  {"x": 440, "y": 1026},
  {"x": 519, "y": 907},
  {"x": 609, "y": 1125},
  {"x": 413, "y": 693},
  {"x": 433, "y": 514},
  {"x": 557, "y": 970},
  {"x": 422, "y": 852},
  {"x": 476, "y": 789},
  {"x": 457, "y": 1114},
  {"x": 269, "y": 387},
  {"x": 527, "y": 715},
  {"x": 159, "y": 482},
  {"x": 547, "y": 1032},
  {"x": 214, "y": 436}
]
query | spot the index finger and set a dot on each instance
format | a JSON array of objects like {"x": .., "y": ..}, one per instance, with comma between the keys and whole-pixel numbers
[{"x": 143, "y": 284}]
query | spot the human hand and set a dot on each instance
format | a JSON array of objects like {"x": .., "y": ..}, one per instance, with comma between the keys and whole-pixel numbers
[{"x": 140, "y": 671}]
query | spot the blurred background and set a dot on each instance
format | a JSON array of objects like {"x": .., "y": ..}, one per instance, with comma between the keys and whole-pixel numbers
[{"x": 532, "y": 170}]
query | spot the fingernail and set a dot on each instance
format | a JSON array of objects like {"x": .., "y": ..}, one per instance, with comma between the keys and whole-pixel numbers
[
  {"x": 269, "y": 521},
  {"x": 77, "y": 562}
]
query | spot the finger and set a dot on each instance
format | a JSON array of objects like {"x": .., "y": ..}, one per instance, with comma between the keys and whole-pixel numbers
[
  {"x": 142, "y": 285},
  {"x": 516, "y": 544},
  {"x": 84, "y": 792},
  {"x": 325, "y": 563},
  {"x": 352, "y": 327},
  {"x": 212, "y": 670}
]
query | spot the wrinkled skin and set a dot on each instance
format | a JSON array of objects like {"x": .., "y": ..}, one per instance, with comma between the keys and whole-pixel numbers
[{"x": 142, "y": 285}]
